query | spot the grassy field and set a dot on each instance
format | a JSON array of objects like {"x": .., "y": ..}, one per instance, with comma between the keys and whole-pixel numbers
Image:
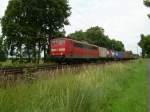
[{"x": 112, "y": 88}]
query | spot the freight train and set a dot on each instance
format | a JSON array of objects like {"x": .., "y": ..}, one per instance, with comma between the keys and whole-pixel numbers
[{"x": 68, "y": 50}]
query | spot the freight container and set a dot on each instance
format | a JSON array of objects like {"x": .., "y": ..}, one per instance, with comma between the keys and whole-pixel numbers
[
  {"x": 120, "y": 55},
  {"x": 109, "y": 53},
  {"x": 102, "y": 52},
  {"x": 128, "y": 55}
]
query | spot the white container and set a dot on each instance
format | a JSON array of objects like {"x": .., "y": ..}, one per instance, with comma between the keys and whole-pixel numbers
[{"x": 102, "y": 52}]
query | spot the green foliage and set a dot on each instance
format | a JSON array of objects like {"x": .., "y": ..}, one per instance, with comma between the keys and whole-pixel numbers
[
  {"x": 95, "y": 35},
  {"x": 115, "y": 88},
  {"x": 78, "y": 35},
  {"x": 117, "y": 45},
  {"x": 145, "y": 45},
  {"x": 3, "y": 56},
  {"x": 30, "y": 23},
  {"x": 147, "y": 3},
  {"x": 145, "y": 40},
  {"x": 3, "y": 50}
]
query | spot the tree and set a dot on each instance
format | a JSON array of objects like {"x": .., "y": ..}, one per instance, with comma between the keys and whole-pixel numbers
[
  {"x": 145, "y": 45},
  {"x": 3, "y": 51},
  {"x": 30, "y": 23},
  {"x": 78, "y": 35},
  {"x": 95, "y": 35},
  {"x": 117, "y": 45},
  {"x": 147, "y": 3},
  {"x": 145, "y": 40}
]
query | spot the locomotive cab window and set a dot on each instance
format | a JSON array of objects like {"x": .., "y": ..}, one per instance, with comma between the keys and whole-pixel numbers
[{"x": 58, "y": 42}]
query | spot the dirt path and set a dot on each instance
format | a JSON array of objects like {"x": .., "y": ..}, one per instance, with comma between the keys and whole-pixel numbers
[{"x": 149, "y": 85}]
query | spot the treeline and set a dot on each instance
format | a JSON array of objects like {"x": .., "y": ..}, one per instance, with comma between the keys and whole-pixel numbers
[{"x": 95, "y": 35}]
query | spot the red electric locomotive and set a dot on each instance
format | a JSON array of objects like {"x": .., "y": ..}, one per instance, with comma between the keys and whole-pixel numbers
[{"x": 65, "y": 49}]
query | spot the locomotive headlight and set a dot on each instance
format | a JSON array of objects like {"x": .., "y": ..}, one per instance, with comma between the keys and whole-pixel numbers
[
  {"x": 53, "y": 50},
  {"x": 62, "y": 49}
]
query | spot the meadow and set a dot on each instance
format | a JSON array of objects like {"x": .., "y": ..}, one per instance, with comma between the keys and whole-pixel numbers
[{"x": 120, "y": 87}]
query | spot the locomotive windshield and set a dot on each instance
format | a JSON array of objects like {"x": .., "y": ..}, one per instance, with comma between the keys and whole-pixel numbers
[{"x": 58, "y": 42}]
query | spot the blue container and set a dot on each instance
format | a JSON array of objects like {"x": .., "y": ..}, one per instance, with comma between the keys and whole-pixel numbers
[{"x": 120, "y": 55}]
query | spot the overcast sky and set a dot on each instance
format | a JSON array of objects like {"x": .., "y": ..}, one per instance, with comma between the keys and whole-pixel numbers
[{"x": 123, "y": 20}]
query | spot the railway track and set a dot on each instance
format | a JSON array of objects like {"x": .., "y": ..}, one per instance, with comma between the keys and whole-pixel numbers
[
  {"x": 24, "y": 70},
  {"x": 11, "y": 70},
  {"x": 12, "y": 74},
  {"x": 20, "y": 71}
]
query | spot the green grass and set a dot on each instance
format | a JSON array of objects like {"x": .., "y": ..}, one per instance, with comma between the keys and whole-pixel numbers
[{"x": 113, "y": 88}]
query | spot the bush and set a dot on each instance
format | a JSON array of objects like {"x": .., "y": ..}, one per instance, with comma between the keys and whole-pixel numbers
[{"x": 3, "y": 56}]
